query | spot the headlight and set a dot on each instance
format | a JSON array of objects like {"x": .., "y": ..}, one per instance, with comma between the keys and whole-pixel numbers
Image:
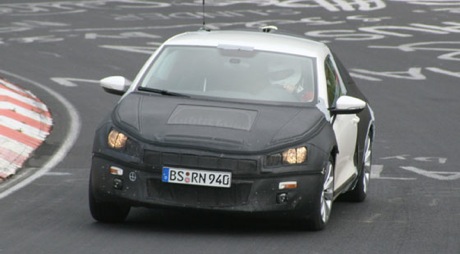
[
  {"x": 116, "y": 139},
  {"x": 288, "y": 157},
  {"x": 295, "y": 155}
]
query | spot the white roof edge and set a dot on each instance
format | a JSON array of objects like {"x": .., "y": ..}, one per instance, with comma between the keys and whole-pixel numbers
[{"x": 252, "y": 39}]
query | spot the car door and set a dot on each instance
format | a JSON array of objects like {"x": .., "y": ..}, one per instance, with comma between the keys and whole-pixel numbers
[{"x": 345, "y": 127}]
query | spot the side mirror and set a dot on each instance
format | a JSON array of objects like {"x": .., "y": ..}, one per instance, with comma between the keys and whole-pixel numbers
[
  {"x": 115, "y": 84},
  {"x": 348, "y": 105}
]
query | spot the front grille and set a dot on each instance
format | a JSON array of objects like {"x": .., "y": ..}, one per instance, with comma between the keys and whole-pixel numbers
[
  {"x": 236, "y": 166},
  {"x": 199, "y": 196}
]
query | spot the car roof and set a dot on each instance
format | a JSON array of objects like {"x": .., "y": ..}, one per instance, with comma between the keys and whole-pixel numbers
[{"x": 257, "y": 40}]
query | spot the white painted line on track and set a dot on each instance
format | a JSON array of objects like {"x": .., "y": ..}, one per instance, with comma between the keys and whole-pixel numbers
[
  {"x": 376, "y": 170},
  {"x": 438, "y": 175},
  {"x": 58, "y": 174},
  {"x": 71, "y": 82},
  {"x": 67, "y": 143}
]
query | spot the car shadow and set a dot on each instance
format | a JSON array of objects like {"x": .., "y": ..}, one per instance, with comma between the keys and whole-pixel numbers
[{"x": 199, "y": 222}]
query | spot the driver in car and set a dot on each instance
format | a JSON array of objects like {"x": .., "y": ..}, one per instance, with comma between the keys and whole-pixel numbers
[{"x": 289, "y": 77}]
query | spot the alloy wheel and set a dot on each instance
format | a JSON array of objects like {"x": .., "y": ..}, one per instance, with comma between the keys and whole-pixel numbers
[{"x": 328, "y": 192}]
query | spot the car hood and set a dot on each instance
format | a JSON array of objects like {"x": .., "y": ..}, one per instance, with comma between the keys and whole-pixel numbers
[{"x": 224, "y": 126}]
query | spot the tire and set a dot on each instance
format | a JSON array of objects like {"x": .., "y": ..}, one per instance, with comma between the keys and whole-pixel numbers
[
  {"x": 359, "y": 193},
  {"x": 323, "y": 207},
  {"x": 107, "y": 212}
]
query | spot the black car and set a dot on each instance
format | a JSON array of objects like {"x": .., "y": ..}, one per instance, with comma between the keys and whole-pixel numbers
[{"x": 234, "y": 121}]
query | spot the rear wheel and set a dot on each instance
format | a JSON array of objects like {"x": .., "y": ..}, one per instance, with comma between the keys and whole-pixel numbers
[
  {"x": 320, "y": 216},
  {"x": 106, "y": 211}
]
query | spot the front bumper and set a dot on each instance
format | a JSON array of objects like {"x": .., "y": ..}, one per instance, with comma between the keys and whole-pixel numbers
[{"x": 140, "y": 185}]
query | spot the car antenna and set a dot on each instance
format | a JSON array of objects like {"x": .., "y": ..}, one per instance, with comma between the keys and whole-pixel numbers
[
  {"x": 268, "y": 29},
  {"x": 204, "y": 18}
]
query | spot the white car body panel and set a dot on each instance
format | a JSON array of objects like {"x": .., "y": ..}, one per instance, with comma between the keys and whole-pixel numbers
[{"x": 346, "y": 131}]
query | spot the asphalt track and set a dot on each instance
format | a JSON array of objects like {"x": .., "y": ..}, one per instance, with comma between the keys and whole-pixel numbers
[{"x": 403, "y": 54}]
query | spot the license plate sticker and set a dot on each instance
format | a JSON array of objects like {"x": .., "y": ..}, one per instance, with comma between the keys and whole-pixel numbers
[{"x": 197, "y": 177}]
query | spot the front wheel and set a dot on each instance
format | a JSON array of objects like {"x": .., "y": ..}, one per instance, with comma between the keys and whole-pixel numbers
[
  {"x": 323, "y": 207},
  {"x": 107, "y": 212},
  {"x": 359, "y": 193}
]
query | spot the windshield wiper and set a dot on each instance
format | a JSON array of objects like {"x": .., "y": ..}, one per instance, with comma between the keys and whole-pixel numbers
[{"x": 162, "y": 92}]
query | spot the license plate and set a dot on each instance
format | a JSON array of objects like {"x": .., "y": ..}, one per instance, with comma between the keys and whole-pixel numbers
[{"x": 197, "y": 177}]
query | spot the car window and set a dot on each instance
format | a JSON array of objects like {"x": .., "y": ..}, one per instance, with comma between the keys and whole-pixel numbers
[
  {"x": 332, "y": 81},
  {"x": 233, "y": 73}
]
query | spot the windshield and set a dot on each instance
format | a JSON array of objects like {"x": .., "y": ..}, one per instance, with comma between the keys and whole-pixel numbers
[{"x": 233, "y": 73}]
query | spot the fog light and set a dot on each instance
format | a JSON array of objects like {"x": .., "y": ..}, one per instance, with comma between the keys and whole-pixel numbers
[
  {"x": 117, "y": 184},
  {"x": 281, "y": 198}
]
